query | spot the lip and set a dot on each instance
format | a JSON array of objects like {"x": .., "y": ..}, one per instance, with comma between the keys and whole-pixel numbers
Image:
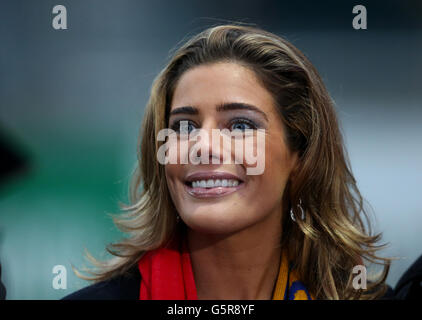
[
  {"x": 205, "y": 175},
  {"x": 199, "y": 192}
]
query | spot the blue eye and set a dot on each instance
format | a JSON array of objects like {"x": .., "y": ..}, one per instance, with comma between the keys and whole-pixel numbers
[
  {"x": 183, "y": 126},
  {"x": 242, "y": 124}
]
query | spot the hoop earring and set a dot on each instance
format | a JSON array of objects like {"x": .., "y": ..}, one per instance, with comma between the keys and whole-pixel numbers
[{"x": 302, "y": 212}]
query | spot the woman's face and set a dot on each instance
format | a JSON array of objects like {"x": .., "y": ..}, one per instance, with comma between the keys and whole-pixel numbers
[{"x": 225, "y": 198}]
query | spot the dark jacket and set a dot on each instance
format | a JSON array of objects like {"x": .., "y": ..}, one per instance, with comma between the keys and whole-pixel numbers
[
  {"x": 2, "y": 288},
  {"x": 124, "y": 287},
  {"x": 409, "y": 287}
]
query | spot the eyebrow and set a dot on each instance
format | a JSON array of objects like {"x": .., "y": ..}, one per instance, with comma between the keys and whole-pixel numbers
[{"x": 228, "y": 106}]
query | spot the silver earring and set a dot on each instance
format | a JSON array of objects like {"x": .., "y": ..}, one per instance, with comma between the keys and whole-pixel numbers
[{"x": 302, "y": 212}]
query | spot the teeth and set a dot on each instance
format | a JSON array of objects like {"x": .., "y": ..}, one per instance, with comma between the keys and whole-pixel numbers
[{"x": 210, "y": 183}]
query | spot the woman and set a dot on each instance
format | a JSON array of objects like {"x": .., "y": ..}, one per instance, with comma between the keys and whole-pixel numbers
[{"x": 208, "y": 230}]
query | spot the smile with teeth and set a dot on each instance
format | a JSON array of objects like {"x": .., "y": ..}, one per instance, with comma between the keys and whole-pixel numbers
[{"x": 214, "y": 183}]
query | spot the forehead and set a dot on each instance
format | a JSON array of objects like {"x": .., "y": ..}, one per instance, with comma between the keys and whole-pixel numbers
[{"x": 211, "y": 84}]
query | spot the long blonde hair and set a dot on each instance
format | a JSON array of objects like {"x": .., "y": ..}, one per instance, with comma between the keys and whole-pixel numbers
[{"x": 335, "y": 235}]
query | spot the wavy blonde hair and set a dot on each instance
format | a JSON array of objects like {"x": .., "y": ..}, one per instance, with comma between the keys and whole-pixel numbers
[{"x": 335, "y": 235}]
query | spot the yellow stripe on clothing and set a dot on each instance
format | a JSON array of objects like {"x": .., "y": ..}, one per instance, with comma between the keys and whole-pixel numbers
[{"x": 296, "y": 289}]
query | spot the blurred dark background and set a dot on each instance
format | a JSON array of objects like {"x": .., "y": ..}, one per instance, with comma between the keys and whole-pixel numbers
[{"x": 71, "y": 102}]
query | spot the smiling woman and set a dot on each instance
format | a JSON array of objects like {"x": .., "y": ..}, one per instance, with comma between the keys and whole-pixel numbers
[{"x": 210, "y": 230}]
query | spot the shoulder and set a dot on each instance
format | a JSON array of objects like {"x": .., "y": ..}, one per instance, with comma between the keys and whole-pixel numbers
[{"x": 123, "y": 287}]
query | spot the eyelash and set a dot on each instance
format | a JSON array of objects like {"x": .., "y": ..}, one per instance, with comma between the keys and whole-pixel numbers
[
  {"x": 249, "y": 122},
  {"x": 176, "y": 124}
]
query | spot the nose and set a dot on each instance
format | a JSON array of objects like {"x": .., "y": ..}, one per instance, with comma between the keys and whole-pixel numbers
[{"x": 207, "y": 147}]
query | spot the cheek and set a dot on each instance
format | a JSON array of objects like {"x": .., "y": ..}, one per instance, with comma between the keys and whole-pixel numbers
[
  {"x": 254, "y": 155},
  {"x": 176, "y": 188},
  {"x": 277, "y": 170},
  {"x": 172, "y": 171}
]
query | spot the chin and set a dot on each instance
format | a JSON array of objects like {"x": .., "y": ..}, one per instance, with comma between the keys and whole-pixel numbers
[{"x": 214, "y": 222}]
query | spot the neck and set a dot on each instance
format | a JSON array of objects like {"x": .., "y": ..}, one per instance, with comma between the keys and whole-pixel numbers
[{"x": 239, "y": 266}]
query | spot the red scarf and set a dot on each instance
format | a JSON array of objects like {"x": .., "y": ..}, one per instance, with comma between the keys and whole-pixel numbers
[{"x": 166, "y": 274}]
